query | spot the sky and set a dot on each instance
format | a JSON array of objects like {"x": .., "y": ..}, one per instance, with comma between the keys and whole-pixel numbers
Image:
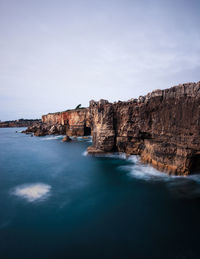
[{"x": 56, "y": 54}]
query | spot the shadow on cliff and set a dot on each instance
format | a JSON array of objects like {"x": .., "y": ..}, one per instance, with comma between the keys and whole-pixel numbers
[{"x": 195, "y": 164}]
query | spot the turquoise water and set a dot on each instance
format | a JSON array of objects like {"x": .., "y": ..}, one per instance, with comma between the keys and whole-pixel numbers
[{"x": 57, "y": 202}]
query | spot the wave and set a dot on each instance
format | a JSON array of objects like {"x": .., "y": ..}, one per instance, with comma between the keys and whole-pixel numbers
[
  {"x": 53, "y": 137},
  {"x": 180, "y": 186},
  {"x": 108, "y": 155},
  {"x": 85, "y": 153},
  {"x": 32, "y": 192},
  {"x": 144, "y": 171},
  {"x": 137, "y": 169},
  {"x": 82, "y": 138},
  {"x": 122, "y": 156}
]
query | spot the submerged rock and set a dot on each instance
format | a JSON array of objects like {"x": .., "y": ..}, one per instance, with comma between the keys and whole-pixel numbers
[{"x": 66, "y": 139}]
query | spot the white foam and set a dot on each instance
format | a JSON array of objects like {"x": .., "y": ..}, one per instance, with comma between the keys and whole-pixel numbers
[
  {"x": 82, "y": 138},
  {"x": 133, "y": 159},
  {"x": 33, "y": 192},
  {"x": 144, "y": 171},
  {"x": 180, "y": 186},
  {"x": 53, "y": 137},
  {"x": 110, "y": 155},
  {"x": 89, "y": 139},
  {"x": 195, "y": 177},
  {"x": 117, "y": 155},
  {"x": 147, "y": 172},
  {"x": 85, "y": 153}
]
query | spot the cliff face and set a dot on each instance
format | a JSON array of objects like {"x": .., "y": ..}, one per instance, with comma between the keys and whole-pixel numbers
[
  {"x": 53, "y": 118},
  {"x": 72, "y": 123},
  {"x": 75, "y": 121},
  {"x": 163, "y": 127}
]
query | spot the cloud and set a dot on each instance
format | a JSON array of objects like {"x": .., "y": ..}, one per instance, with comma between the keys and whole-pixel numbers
[{"x": 69, "y": 52}]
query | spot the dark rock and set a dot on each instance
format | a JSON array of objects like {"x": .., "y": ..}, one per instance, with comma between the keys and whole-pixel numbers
[
  {"x": 66, "y": 139},
  {"x": 43, "y": 129},
  {"x": 163, "y": 127}
]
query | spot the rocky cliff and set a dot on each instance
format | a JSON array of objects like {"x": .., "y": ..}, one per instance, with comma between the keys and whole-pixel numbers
[
  {"x": 18, "y": 123},
  {"x": 75, "y": 121},
  {"x": 43, "y": 129},
  {"x": 72, "y": 123},
  {"x": 162, "y": 127}
]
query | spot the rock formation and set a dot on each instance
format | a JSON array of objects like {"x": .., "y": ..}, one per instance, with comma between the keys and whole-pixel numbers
[
  {"x": 162, "y": 127},
  {"x": 43, "y": 129},
  {"x": 18, "y": 123},
  {"x": 72, "y": 123},
  {"x": 76, "y": 121},
  {"x": 66, "y": 139}
]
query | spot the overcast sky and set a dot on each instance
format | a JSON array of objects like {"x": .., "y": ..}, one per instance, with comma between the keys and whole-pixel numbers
[{"x": 56, "y": 54}]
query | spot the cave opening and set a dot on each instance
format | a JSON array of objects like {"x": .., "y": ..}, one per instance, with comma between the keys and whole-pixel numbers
[
  {"x": 195, "y": 164},
  {"x": 87, "y": 131}
]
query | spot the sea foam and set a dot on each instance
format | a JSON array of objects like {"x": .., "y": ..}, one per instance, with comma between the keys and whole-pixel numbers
[
  {"x": 53, "y": 137},
  {"x": 33, "y": 192}
]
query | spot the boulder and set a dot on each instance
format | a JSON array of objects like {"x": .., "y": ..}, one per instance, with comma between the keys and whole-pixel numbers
[{"x": 66, "y": 139}]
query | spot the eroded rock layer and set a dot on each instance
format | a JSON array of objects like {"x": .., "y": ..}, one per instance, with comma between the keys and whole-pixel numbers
[
  {"x": 72, "y": 123},
  {"x": 162, "y": 127},
  {"x": 76, "y": 121},
  {"x": 43, "y": 129}
]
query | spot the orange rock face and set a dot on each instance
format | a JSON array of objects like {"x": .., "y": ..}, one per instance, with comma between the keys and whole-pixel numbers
[{"x": 76, "y": 121}]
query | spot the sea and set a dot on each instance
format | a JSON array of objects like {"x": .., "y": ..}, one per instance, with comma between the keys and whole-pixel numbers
[{"x": 56, "y": 201}]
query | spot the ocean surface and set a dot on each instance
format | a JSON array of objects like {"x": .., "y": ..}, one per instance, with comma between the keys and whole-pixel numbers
[{"x": 58, "y": 202}]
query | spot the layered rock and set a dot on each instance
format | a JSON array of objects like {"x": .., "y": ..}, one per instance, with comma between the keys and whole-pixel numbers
[
  {"x": 163, "y": 127},
  {"x": 102, "y": 123},
  {"x": 72, "y": 123},
  {"x": 43, "y": 129},
  {"x": 76, "y": 121}
]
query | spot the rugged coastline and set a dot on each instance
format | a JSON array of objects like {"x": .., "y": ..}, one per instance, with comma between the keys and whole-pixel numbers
[
  {"x": 163, "y": 127},
  {"x": 19, "y": 123}
]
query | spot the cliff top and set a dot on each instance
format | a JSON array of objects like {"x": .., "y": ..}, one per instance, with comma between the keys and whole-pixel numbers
[
  {"x": 69, "y": 110},
  {"x": 191, "y": 89}
]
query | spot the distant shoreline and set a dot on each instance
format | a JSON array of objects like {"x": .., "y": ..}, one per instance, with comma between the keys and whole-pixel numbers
[{"x": 18, "y": 123}]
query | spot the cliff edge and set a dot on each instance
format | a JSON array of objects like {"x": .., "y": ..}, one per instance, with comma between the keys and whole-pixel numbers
[{"x": 162, "y": 127}]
